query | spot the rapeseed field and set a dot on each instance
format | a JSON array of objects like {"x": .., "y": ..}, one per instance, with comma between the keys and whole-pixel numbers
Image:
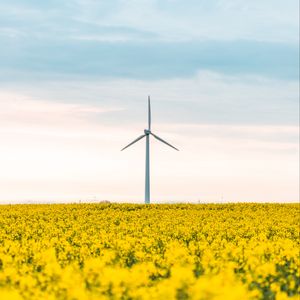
[{"x": 127, "y": 251}]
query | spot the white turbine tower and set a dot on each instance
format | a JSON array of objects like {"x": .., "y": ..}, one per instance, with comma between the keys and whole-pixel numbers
[{"x": 146, "y": 134}]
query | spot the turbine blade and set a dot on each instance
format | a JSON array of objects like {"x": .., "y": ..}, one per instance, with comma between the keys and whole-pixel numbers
[
  {"x": 149, "y": 113},
  {"x": 140, "y": 137},
  {"x": 160, "y": 139}
]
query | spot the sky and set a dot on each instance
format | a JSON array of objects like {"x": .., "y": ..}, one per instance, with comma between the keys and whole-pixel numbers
[{"x": 224, "y": 83}]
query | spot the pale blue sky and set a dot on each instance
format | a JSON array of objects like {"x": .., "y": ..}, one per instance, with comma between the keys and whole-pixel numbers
[
  {"x": 224, "y": 73},
  {"x": 149, "y": 39}
]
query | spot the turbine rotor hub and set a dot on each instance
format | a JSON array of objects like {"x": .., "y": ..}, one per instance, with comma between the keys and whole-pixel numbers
[{"x": 147, "y": 131}]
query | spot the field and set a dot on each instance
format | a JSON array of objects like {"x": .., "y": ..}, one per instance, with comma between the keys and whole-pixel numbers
[{"x": 123, "y": 251}]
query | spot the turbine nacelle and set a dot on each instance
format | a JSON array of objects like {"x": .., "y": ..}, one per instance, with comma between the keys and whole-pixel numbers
[{"x": 147, "y": 131}]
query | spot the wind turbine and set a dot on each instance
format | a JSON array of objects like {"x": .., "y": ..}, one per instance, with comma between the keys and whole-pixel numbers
[{"x": 147, "y": 133}]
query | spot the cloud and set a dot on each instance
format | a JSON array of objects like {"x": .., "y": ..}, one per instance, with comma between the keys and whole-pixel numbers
[
  {"x": 148, "y": 39},
  {"x": 207, "y": 98},
  {"x": 23, "y": 114},
  {"x": 272, "y": 21},
  {"x": 51, "y": 59},
  {"x": 217, "y": 20}
]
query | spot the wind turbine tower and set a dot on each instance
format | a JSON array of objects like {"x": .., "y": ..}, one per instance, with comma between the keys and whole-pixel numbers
[{"x": 147, "y": 133}]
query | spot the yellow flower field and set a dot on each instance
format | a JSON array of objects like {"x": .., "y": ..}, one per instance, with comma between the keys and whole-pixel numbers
[{"x": 127, "y": 251}]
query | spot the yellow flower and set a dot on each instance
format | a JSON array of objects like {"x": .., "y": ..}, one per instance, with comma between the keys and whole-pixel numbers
[{"x": 124, "y": 251}]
